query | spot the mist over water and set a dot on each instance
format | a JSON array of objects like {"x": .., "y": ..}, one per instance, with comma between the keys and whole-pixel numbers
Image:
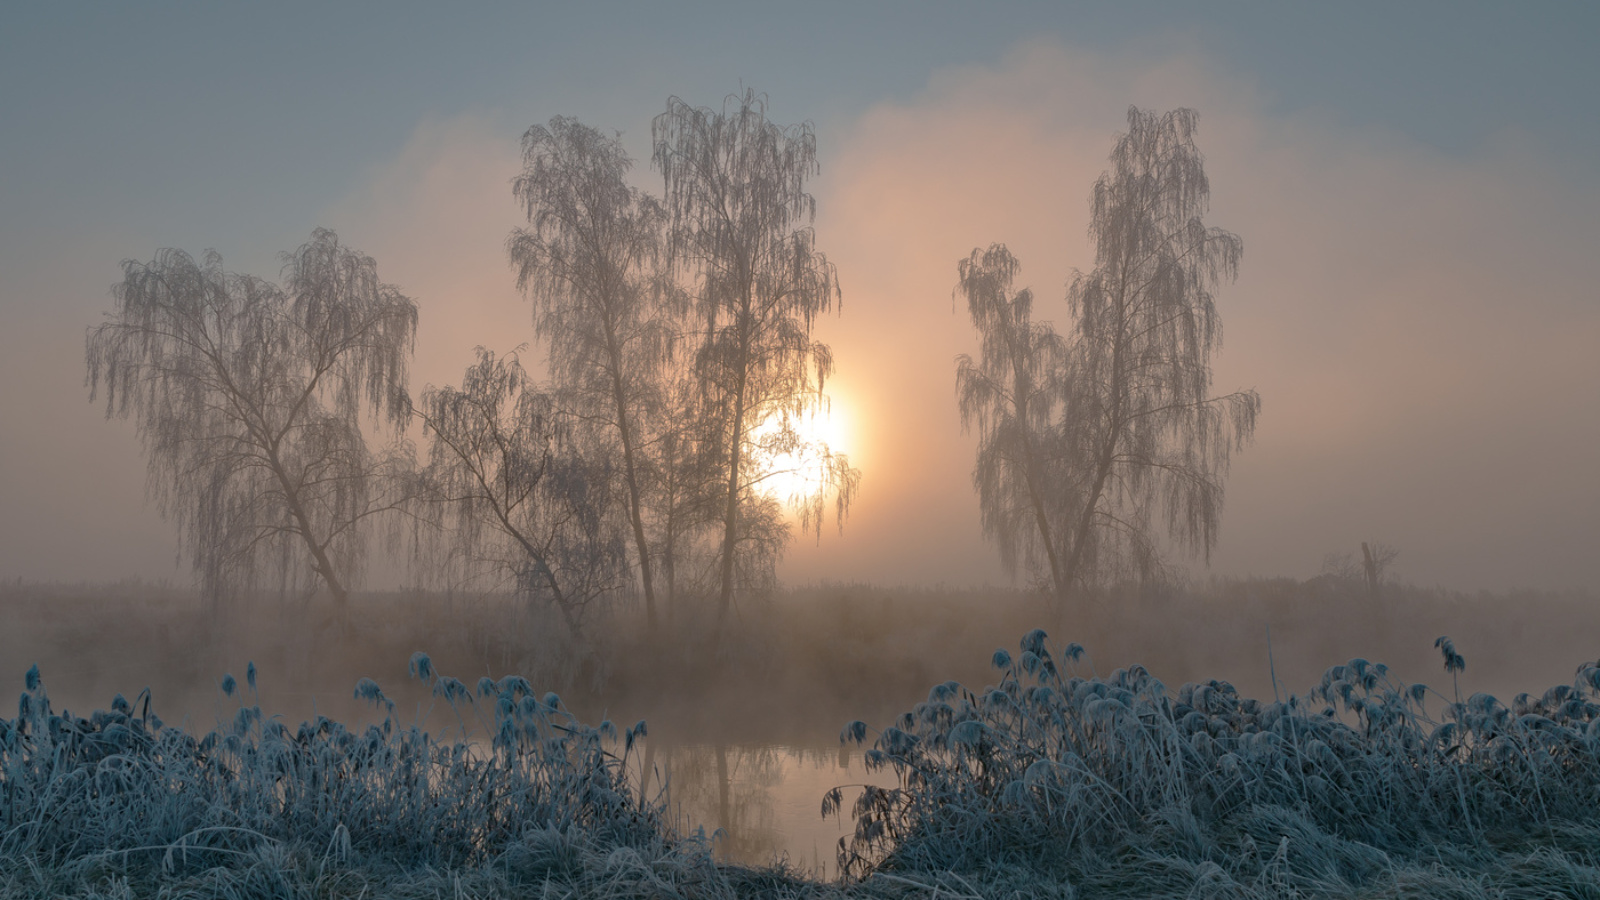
[{"x": 749, "y": 743}]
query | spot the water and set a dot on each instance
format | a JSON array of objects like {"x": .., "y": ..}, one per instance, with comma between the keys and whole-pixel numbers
[{"x": 766, "y": 799}]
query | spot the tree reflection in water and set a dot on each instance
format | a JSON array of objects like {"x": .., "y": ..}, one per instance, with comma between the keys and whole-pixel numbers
[
  {"x": 728, "y": 789},
  {"x": 762, "y": 802}
]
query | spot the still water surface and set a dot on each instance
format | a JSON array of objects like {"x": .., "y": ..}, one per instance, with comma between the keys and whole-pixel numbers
[{"x": 765, "y": 799}]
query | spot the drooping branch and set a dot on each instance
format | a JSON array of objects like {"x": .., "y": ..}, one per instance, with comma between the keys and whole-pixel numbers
[
  {"x": 1116, "y": 421},
  {"x": 249, "y": 399},
  {"x": 514, "y": 498}
]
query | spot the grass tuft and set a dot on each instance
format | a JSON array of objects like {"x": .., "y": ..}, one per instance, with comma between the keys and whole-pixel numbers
[{"x": 1123, "y": 788}]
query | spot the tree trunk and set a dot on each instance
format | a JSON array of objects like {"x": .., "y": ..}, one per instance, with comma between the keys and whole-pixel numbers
[
  {"x": 321, "y": 564},
  {"x": 731, "y": 513},
  {"x": 1023, "y": 386},
  {"x": 1114, "y": 433},
  {"x": 1080, "y": 536},
  {"x": 735, "y": 463},
  {"x": 669, "y": 556},
  {"x": 630, "y": 473},
  {"x": 1056, "y": 575}
]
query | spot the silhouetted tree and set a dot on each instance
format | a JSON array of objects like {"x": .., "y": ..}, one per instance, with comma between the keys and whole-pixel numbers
[
  {"x": 1371, "y": 571},
  {"x": 741, "y": 224},
  {"x": 1011, "y": 394},
  {"x": 249, "y": 399},
  {"x": 1136, "y": 441},
  {"x": 589, "y": 259},
  {"x": 1139, "y": 411},
  {"x": 513, "y": 497},
  {"x": 1375, "y": 561}
]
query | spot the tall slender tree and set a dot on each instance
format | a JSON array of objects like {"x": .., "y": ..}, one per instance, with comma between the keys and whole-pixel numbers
[
  {"x": 1011, "y": 395},
  {"x": 250, "y": 397},
  {"x": 1138, "y": 405},
  {"x": 741, "y": 226},
  {"x": 590, "y": 259}
]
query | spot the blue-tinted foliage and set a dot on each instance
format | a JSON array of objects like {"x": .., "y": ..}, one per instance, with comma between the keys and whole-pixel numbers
[{"x": 1333, "y": 792}]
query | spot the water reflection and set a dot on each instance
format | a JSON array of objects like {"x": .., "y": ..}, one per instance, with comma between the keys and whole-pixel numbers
[{"x": 763, "y": 802}]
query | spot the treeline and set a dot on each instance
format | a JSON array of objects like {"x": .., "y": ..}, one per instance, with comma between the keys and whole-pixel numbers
[{"x": 677, "y": 330}]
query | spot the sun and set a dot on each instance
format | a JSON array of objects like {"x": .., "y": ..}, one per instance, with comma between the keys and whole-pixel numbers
[{"x": 794, "y": 447}]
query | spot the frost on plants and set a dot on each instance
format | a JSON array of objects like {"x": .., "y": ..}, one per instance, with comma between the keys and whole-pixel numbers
[
  {"x": 118, "y": 794},
  {"x": 1339, "y": 791}
]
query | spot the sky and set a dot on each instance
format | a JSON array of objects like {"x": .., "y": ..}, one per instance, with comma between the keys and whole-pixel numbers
[{"x": 1417, "y": 187}]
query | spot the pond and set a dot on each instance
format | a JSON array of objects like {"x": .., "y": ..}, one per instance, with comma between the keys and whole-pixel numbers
[{"x": 763, "y": 802}]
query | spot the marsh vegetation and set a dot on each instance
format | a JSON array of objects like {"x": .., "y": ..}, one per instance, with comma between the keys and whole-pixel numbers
[{"x": 1036, "y": 774}]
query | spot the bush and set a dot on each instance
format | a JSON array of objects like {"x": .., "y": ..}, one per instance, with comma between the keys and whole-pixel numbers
[
  {"x": 121, "y": 794},
  {"x": 1102, "y": 780}
]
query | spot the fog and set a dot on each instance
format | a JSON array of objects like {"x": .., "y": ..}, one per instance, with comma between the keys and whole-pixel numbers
[
  {"x": 1418, "y": 316},
  {"x": 745, "y": 738},
  {"x": 1417, "y": 325}
]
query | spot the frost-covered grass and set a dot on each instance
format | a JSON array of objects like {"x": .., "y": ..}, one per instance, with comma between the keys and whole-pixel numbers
[
  {"x": 120, "y": 804},
  {"x": 1055, "y": 782},
  {"x": 1049, "y": 783},
  {"x": 1364, "y": 786}
]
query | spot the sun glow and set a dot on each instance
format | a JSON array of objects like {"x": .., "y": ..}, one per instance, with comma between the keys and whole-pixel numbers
[{"x": 795, "y": 449}]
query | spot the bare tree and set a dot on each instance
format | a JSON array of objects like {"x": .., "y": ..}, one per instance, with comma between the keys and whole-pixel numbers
[
  {"x": 515, "y": 500},
  {"x": 1375, "y": 561},
  {"x": 1136, "y": 441},
  {"x": 1372, "y": 571},
  {"x": 741, "y": 224},
  {"x": 249, "y": 398},
  {"x": 589, "y": 259}
]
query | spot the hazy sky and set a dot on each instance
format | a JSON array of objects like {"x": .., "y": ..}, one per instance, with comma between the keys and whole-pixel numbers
[{"x": 1417, "y": 187}]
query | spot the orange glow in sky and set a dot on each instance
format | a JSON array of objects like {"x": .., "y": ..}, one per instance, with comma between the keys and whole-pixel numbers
[{"x": 797, "y": 471}]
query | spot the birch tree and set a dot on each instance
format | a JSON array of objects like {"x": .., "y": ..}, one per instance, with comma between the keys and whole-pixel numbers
[
  {"x": 1155, "y": 443},
  {"x": 1011, "y": 395},
  {"x": 1138, "y": 447},
  {"x": 250, "y": 398},
  {"x": 590, "y": 260},
  {"x": 741, "y": 228}
]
